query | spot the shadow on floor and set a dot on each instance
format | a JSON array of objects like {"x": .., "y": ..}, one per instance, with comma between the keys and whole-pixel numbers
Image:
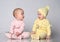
[{"x": 26, "y": 40}]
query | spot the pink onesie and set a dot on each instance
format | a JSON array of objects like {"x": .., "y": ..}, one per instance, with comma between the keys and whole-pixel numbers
[{"x": 17, "y": 26}]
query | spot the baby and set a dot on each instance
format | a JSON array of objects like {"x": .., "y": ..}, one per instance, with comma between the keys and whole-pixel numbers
[
  {"x": 17, "y": 25},
  {"x": 41, "y": 28}
]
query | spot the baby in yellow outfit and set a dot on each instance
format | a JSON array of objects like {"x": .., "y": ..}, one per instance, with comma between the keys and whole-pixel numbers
[{"x": 41, "y": 28}]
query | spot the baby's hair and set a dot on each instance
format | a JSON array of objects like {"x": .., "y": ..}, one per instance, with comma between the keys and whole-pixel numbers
[{"x": 16, "y": 9}]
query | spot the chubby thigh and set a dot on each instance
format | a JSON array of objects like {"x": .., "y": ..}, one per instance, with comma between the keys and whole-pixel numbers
[
  {"x": 25, "y": 35},
  {"x": 9, "y": 35},
  {"x": 41, "y": 33}
]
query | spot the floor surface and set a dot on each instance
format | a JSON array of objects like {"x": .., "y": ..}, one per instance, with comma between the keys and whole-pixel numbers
[{"x": 3, "y": 38}]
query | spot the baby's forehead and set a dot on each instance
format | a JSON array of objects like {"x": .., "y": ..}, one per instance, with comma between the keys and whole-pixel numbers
[{"x": 19, "y": 11}]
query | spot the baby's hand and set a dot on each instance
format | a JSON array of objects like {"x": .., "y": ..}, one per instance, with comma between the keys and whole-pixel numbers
[
  {"x": 32, "y": 32},
  {"x": 48, "y": 37},
  {"x": 17, "y": 33}
]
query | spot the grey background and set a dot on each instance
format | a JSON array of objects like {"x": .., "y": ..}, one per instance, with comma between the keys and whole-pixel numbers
[{"x": 30, "y": 7}]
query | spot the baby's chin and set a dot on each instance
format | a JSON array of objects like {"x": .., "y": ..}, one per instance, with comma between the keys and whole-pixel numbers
[
  {"x": 40, "y": 18},
  {"x": 21, "y": 19}
]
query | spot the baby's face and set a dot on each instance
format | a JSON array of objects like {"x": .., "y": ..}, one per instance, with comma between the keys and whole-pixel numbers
[
  {"x": 40, "y": 16},
  {"x": 19, "y": 15}
]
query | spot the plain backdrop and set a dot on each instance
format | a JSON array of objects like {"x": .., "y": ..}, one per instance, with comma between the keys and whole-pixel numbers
[{"x": 30, "y": 8}]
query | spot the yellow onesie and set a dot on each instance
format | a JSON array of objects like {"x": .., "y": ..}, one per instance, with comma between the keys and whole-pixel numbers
[{"x": 41, "y": 27}]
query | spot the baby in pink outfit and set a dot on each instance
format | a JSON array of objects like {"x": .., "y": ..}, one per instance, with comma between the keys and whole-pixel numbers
[{"x": 17, "y": 25}]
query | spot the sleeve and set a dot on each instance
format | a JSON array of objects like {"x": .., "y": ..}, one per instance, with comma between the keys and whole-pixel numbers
[
  {"x": 34, "y": 26},
  {"x": 12, "y": 27},
  {"x": 48, "y": 29},
  {"x": 21, "y": 29}
]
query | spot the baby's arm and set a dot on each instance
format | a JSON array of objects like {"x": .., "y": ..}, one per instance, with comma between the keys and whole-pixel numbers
[
  {"x": 20, "y": 30},
  {"x": 48, "y": 30},
  {"x": 34, "y": 27},
  {"x": 12, "y": 28}
]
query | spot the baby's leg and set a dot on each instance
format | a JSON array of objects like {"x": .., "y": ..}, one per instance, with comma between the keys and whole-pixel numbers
[
  {"x": 42, "y": 35},
  {"x": 34, "y": 36},
  {"x": 20, "y": 37},
  {"x": 9, "y": 35},
  {"x": 25, "y": 35}
]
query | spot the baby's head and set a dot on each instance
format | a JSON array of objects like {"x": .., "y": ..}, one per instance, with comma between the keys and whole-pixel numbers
[
  {"x": 18, "y": 13},
  {"x": 43, "y": 12}
]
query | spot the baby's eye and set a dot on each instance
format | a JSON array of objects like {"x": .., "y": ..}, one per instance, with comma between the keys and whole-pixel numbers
[
  {"x": 39, "y": 14},
  {"x": 22, "y": 13}
]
